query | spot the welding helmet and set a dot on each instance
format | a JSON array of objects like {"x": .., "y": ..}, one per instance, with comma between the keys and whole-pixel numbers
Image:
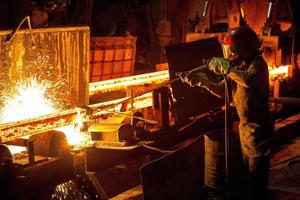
[{"x": 240, "y": 42}]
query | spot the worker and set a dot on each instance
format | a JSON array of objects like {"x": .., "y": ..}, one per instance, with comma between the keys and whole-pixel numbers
[{"x": 248, "y": 82}]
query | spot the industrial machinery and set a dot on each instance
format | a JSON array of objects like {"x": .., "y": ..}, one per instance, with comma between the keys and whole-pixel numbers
[
  {"x": 47, "y": 122},
  {"x": 70, "y": 116},
  {"x": 53, "y": 118}
]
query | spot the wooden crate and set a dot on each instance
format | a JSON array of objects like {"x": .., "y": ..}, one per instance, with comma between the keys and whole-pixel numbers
[{"x": 112, "y": 57}]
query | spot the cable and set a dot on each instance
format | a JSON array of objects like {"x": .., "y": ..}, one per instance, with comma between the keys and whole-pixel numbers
[
  {"x": 19, "y": 26},
  {"x": 226, "y": 132},
  {"x": 157, "y": 149},
  {"x": 134, "y": 117}
]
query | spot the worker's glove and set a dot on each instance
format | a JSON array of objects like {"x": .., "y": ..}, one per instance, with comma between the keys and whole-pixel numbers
[
  {"x": 185, "y": 77},
  {"x": 219, "y": 65},
  {"x": 193, "y": 79}
]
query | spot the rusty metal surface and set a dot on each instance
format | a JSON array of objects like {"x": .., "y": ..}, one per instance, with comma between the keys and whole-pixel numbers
[
  {"x": 14, "y": 130},
  {"x": 57, "y": 55}
]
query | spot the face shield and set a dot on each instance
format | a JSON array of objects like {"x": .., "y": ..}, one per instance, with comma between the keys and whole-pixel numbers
[
  {"x": 226, "y": 44},
  {"x": 227, "y": 53}
]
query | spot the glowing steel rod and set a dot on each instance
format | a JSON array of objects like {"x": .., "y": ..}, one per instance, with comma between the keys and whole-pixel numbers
[
  {"x": 120, "y": 83},
  {"x": 14, "y": 130},
  {"x": 202, "y": 67}
]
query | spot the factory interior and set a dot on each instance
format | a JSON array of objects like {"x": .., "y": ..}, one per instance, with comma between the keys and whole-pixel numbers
[{"x": 94, "y": 106}]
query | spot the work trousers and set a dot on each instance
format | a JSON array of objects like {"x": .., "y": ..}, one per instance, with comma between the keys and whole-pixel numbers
[
  {"x": 256, "y": 156},
  {"x": 256, "y": 171}
]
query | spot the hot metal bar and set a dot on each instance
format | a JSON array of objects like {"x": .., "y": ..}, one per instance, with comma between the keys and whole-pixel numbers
[
  {"x": 14, "y": 130},
  {"x": 104, "y": 106},
  {"x": 121, "y": 83},
  {"x": 164, "y": 84}
]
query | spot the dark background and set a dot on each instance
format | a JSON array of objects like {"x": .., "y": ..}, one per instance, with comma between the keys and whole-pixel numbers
[{"x": 136, "y": 17}]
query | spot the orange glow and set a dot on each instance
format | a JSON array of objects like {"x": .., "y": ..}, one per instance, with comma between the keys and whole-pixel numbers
[
  {"x": 140, "y": 102},
  {"x": 143, "y": 101},
  {"x": 72, "y": 132},
  {"x": 100, "y": 113},
  {"x": 121, "y": 83},
  {"x": 16, "y": 149},
  {"x": 29, "y": 101},
  {"x": 278, "y": 72}
]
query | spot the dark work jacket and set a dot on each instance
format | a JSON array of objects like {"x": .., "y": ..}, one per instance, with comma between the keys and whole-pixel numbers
[{"x": 250, "y": 93}]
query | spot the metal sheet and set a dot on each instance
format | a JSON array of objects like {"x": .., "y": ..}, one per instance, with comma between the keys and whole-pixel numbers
[
  {"x": 57, "y": 55},
  {"x": 14, "y": 130},
  {"x": 192, "y": 101},
  {"x": 178, "y": 175}
]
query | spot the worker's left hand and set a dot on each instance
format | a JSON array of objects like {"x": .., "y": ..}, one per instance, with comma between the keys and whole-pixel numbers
[
  {"x": 193, "y": 79},
  {"x": 185, "y": 77},
  {"x": 219, "y": 65}
]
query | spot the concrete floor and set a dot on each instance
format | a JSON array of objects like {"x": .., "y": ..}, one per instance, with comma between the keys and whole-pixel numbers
[{"x": 284, "y": 181}]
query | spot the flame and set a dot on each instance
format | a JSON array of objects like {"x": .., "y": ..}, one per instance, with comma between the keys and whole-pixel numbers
[
  {"x": 27, "y": 101},
  {"x": 278, "y": 72},
  {"x": 30, "y": 99},
  {"x": 72, "y": 132}
]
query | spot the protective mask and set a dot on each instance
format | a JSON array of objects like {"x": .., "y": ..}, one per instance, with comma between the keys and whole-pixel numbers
[{"x": 227, "y": 53}]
